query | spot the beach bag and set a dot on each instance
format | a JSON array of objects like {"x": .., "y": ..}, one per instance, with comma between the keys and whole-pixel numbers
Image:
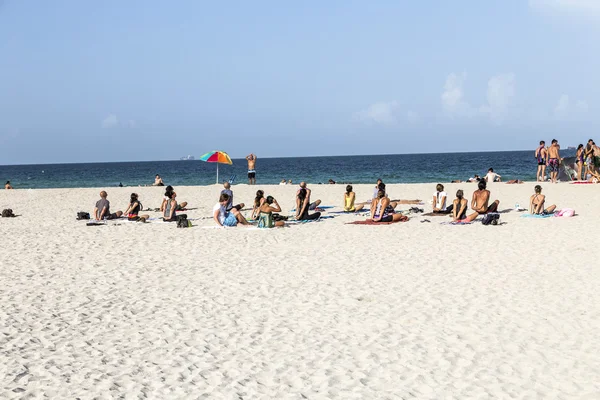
[
  {"x": 490, "y": 219},
  {"x": 83, "y": 215},
  {"x": 7, "y": 213},
  {"x": 183, "y": 223},
  {"x": 565, "y": 212},
  {"x": 279, "y": 217}
]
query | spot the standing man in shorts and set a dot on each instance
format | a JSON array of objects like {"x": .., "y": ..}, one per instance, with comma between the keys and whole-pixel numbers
[
  {"x": 541, "y": 155},
  {"x": 251, "y": 169},
  {"x": 554, "y": 160}
]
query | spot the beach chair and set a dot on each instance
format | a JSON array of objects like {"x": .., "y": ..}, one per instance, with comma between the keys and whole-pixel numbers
[{"x": 232, "y": 179}]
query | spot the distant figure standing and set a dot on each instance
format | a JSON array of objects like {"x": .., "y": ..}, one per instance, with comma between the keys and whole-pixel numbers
[
  {"x": 158, "y": 181},
  {"x": 554, "y": 160},
  {"x": 251, "y": 169},
  {"x": 580, "y": 161},
  {"x": 7, "y": 185},
  {"x": 541, "y": 155}
]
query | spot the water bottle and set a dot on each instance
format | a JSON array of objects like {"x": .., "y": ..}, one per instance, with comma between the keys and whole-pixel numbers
[{"x": 517, "y": 207}]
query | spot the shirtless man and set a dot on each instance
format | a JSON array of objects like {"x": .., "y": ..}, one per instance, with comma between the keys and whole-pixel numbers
[
  {"x": 251, "y": 171},
  {"x": 314, "y": 204},
  {"x": 480, "y": 201},
  {"x": 541, "y": 156},
  {"x": 8, "y": 186},
  {"x": 554, "y": 160}
]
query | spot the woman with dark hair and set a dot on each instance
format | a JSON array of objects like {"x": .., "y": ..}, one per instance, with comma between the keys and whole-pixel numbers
[
  {"x": 170, "y": 208},
  {"x": 536, "y": 202},
  {"x": 168, "y": 191},
  {"x": 459, "y": 206},
  {"x": 382, "y": 211},
  {"x": 134, "y": 208},
  {"x": 580, "y": 161},
  {"x": 349, "y": 198},
  {"x": 302, "y": 206},
  {"x": 265, "y": 215},
  {"x": 258, "y": 201}
]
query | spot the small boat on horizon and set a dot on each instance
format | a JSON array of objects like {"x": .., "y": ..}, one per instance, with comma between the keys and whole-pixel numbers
[{"x": 187, "y": 158}]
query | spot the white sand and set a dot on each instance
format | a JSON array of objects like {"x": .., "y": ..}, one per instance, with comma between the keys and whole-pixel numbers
[{"x": 321, "y": 310}]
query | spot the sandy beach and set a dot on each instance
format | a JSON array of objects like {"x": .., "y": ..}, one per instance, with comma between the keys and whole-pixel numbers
[{"x": 321, "y": 310}]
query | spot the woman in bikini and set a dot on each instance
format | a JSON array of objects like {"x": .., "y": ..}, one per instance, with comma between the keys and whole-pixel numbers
[
  {"x": 459, "y": 209},
  {"x": 536, "y": 203},
  {"x": 265, "y": 214},
  {"x": 382, "y": 211},
  {"x": 580, "y": 161},
  {"x": 134, "y": 209},
  {"x": 349, "y": 198}
]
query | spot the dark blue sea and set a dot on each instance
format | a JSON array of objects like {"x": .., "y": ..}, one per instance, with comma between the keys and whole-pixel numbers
[{"x": 400, "y": 168}]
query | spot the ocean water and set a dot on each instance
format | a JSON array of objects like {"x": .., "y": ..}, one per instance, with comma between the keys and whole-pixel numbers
[{"x": 400, "y": 168}]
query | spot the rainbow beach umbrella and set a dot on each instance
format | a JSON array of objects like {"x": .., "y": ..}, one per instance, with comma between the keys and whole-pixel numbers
[{"x": 219, "y": 157}]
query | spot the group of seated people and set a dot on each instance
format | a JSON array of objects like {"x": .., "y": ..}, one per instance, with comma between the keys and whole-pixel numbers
[{"x": 480, "y": 203}]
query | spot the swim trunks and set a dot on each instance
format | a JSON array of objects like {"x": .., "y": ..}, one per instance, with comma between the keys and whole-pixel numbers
[
  {"x": 541, "y": 161},
  {"x": 230, "y": 220},
  {"x": 251, "y": 173},
  {"x": 553, "y": 164}
]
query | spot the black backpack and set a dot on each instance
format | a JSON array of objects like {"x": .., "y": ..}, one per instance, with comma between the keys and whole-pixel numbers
[
  {"x": 183, "y": 223},
  {"x": 83, "y": 215},
  {"x": 7, "y": 213},
  {"x": 491, "y": 218}
]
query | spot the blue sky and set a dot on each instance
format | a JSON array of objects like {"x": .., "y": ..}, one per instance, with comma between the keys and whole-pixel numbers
[{"x": 148, "y": 80}]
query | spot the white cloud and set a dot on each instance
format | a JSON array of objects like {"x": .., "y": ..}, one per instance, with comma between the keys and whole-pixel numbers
[
  {"x": 384, "y": 113},
  {"x": 565, "y": 111},
  {"x": 587, "y": 8},
  {"x": 453, "y": 96},
  {"x": 110, "y": 121},
  {"x": 500, "y": 92}
]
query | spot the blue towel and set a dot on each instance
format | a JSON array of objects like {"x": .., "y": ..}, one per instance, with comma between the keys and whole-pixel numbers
[{"x": 537, "y": 215}]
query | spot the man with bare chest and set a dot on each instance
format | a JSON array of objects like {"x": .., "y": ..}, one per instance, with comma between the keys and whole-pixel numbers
[
  {"x": 554, "y": 160},
  {"x": 481, "y": 202}
]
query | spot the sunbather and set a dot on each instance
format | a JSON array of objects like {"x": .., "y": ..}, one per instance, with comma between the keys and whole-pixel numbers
[
  {"x": 303, "y": 205},
  {"x": 459, "y": 209},
  {"x": 265, "y": 216},
  {"x": 134, "y": 208},
  {"x": 536, "y": 203},
  {"x": 227, "y": 218},
  {"x": 349, "y": 198},
  {"x": 382, "y": 211},
  {"x": 169, "y": 214},
  {"x": 480, "y": 202}
]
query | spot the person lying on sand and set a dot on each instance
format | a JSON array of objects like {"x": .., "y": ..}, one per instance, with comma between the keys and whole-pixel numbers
[
  {"x": 349, "y": 198},
  {"x": 459, "y": 207},
  {"x": 169, "y": 189},
  {"x": 480, "y": 201},
  {"x": 227, "y": 218},
  {"x": 382, "y": 211},
  {"x": 514, "y": 181},
  {"x": 102, "y": 209},
  {"x": 536, "y": 203},
  {"x": 302, "y": 206},
  {"x": 134, "y": 208},
  {"x": 169, "y": 214},
  {"x": 265, "y": 215}
]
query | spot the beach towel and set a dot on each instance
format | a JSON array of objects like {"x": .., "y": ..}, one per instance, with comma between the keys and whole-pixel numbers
[
  {"x": 295, "y": 221},
  {"x": 371, "y": 222},
  {"x": 359, "y": 212},
  {"x": 432, "y": 214},
  {"x": 319, "y": 208},
  {"x": 582, "y": 183},
  {"x": 461, "y": 222},
  {"x": 527, "y": 215}
]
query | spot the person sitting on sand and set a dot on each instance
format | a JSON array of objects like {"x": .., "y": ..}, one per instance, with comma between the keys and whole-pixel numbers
[
  {"x": 536, "y": 203},
  {"x": 169, "y": 214},
  {"x": 439, "y": 200},
  {"x": 303, "y": 205},
  {"x": 265, "y": 215},
  {"x": 377, "y": 188},
  {"x": 7, "y": 185},
  {"x": 480, "y": 202},
  {"x": 349, "y": 198},
  {"x": 158, "y": 181},
  {"x": 258, "y": 201},
  {"x": 382, "y": 211},
  {"x": 227, "y": 218},
  {"x": 331, "y": 182},
  {"x": 475, "y": 178},
  {"x": 514, "y": 181},
  {"x": 459, "y": 207},
  {"x": 492, "y": 176},
  {"x": 168, "y": 191},
  {"x": 593, "y": 176},
  {"x": 283, "y": 182},
  {"x": 102, "y": 209},
  {"x": 134, "y": 209},
  {"x": 227, "y": 190},
  {"x": 312, "y": 205}
]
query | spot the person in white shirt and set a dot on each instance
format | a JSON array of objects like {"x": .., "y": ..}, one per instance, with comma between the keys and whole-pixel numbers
[
  {"x": 227, "y": 218},
  {"x": 439, "y": 199},
  {"x": 492, "y": 176}
]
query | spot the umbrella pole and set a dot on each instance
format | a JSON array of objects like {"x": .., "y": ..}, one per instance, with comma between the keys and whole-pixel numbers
[{"x": 217, "y": 173}]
